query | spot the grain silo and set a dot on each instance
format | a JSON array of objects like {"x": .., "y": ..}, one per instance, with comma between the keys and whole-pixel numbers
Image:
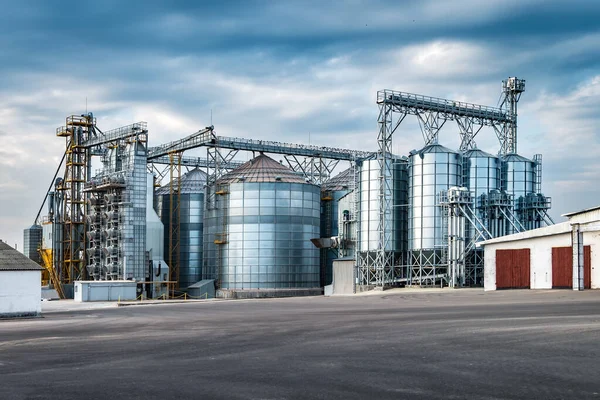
[
  {"x": 432, "y": 170},
  {"x": 191, "y": 224},
  {"x": 259, "y": 221}
]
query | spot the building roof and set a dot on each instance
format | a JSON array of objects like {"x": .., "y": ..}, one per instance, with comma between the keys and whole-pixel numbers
[
  {"x": 262, "y": 169},
  {"x": 342, "y": 181},
  {"x": 556, "y": 229},
  {"x": 191, "y": 182},
  {"x": 12, "y": 260},
  {"x": 572, "y": 214}
]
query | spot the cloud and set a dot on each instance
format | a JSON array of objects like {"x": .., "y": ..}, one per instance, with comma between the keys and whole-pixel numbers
[{"x": 291, "y": 71}]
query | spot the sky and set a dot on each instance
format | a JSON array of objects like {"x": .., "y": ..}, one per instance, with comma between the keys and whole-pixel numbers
[{"x": 295, "y": 71}]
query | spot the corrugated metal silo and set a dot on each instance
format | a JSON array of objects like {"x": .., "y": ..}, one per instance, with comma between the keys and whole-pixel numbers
[
  {"x": 481, "y": 176},
  {"x": 432, "y": 170},
  {"x": 518, "y": 180},
  {"x": 32, "y": 241},
  {"x": 191, "y": 225},
  {"x": 257, "y": 233}
]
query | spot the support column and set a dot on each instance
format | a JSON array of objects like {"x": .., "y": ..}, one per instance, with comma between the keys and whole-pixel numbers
[{"x": 577, "y": 243}]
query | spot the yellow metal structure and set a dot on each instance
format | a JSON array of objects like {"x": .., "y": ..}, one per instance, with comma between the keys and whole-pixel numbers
[
  {"x": 71, "y": 260},
  {"x": 52, "y": 273}
]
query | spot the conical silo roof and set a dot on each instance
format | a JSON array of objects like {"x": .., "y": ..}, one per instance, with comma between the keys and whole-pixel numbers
[
  {"x": 342, "y": 181},
  {"x": 191, "y": 182},
  {"x": 262, "y": 169},
  {"x": 515, "y": 157},
  {"x": 476, "y": 153}
]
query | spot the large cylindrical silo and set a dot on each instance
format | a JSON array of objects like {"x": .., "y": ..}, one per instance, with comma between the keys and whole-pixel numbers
[
  {"x": 191, "y": 225},
  {"x": 432, "y": 170},
  {"x": 518, "y": 180},
  {"x": 369, "y": 204},
  {"x": 481, "y": 177},
  {"x": 258, "y": 229}
]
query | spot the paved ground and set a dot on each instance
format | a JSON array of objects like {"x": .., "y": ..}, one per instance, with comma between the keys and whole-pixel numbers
[{"x": 401, "y": 344}]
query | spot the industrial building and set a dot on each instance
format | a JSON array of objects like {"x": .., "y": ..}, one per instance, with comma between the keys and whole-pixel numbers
[
  {"x": 20, "y": 292},
  {"x": 555, "y": 257},
  {"x": 409, "y": 219}
]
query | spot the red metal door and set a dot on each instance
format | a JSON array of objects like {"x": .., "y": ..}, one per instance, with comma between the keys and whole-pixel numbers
[
  {"x": 587, "y": 267},
  {"x": 562, "y": 267},
  {"x": 512, "y": 269}
]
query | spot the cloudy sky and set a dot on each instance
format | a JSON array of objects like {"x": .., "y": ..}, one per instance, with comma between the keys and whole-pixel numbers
[{"x": 294, "y": 71}]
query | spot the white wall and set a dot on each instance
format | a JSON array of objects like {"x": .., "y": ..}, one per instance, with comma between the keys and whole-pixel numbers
[
  {"x": 540, "y": 259},
  {"x": 20, "y": 293},
  {"x": 592, "y": 239}
]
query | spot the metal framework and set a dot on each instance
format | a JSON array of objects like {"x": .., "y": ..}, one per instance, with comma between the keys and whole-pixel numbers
[
  {"x": 76, "y": 132},
  {"x": 432, "y": 113}
]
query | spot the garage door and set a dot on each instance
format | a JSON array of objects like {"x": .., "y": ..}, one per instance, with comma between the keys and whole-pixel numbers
[
  {"x": 562, "y": 267},
  {"x": 512, "y": 269}
]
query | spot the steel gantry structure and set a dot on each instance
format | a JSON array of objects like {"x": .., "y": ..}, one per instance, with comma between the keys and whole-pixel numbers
[
  {"x": 315, "y": 163},
  {"x": 432, "y": 114}
]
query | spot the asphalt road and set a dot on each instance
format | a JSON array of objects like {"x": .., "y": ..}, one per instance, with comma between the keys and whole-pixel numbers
[{"x": 461, "y": 344}]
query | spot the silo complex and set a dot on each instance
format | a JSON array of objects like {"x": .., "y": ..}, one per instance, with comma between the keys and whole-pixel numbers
[
  {"x": 331, "y": 192},
  {"x": 191, "y": 224},
  {"x": 259, "y": 220}
]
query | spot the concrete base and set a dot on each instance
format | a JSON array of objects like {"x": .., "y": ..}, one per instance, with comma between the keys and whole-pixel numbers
[
  {"x": 20, "y": 315},
  {"x": 266, "y": 293},
  {"x": 205, "y": 289}
]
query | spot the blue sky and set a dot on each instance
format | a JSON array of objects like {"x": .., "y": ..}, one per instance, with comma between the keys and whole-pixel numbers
[{"x": 290, "y": 70}]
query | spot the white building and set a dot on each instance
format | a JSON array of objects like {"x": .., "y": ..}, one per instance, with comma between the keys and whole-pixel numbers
[
  {"x": 564, "y": 255},
  {"x": 20, "y": 287}
]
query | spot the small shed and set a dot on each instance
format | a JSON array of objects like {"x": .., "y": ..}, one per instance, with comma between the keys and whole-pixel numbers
[{"x": 20, "y": 284}]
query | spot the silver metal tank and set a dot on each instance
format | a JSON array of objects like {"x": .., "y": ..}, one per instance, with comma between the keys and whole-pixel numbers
[
  {"x": 369, "y": 205},
  {"x": 518, "y": 180},
  {"x": 191, "y": 225},
  {"x": 432, "y": 170},
  {"x": 257, "y": 234},
  {"x": 32, "y": 241},
  {"x": 331, "y": 192},
  {"x": 481, "y": 176}
]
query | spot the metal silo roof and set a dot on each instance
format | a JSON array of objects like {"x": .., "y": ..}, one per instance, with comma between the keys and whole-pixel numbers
[
  {"x": 515, "y": 157},
  {"x": 477, "y": 153},
  {"x": 342, "y": 181},
  {"x": 262, "y": 169},
  {"x": 192, "y": 182},
  {"x": 435, "y": 148}
]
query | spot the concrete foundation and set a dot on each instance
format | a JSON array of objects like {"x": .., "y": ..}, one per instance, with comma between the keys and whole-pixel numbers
[{"x": 266, "y": 293}]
